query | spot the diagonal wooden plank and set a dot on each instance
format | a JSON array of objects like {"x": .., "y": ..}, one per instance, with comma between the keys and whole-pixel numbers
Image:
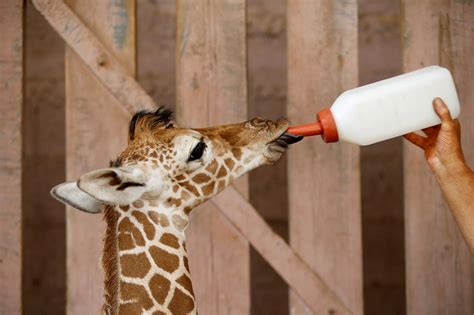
[
  {"x": 103, "y": 63},
  {"x": 11, "y": 121},
  {"x": 305, "y": 282},
  {"x": 254, "y": 221}
]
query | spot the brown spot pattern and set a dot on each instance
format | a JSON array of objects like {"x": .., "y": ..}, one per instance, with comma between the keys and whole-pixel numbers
[
  {"x": 212, "y": 167},
  {"x": 170, "y": 240},
  {"x": 137, "y": 293},
  {"x": 159, "y": 287},
  {"x": 170, "y": 202},
  {"x": 222, "y": 172},
  {"x": 208, "y": 189},
  {"x": 147, "y": 226},
  {"x": 201, "y": 178},
  {"x": 230, "y": 163},
  {"x": 159, "y": 218},
  {"x": 186, "y": 283},
  {"x": 181, "y": 303},
  {"x": 186, "y": 263},
  {"x": 237, "y": 153},
  {"x": 130, "y": 308},
  {"x": 125, "y": 208},
  {"x": 164, "y": 260},
  {"x": 126, "y": 226},
  {"x": 125, "y": 241},
  {"x": 136, "y": 266},
  {"x": 221, "y": 185},
  {"x": 188, "y": 210},
  {"x": 190, "y": 188}
]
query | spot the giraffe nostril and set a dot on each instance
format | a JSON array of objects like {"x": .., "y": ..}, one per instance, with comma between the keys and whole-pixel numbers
[{"x": 259, "y": 123}]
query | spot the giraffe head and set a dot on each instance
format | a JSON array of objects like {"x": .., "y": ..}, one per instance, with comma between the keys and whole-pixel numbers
[
  {"x": 149, "y": 191},
  {"x": 177, "y": 167}
]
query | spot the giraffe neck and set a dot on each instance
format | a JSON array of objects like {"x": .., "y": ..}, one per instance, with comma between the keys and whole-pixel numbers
[{"x": 145, "y": 261}]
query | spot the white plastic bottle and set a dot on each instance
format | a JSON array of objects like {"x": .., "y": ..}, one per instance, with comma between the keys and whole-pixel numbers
[{"x": 385, "y": 109}]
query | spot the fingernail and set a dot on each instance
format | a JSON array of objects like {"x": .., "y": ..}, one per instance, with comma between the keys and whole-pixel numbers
[{"x": 438, "y": 102}]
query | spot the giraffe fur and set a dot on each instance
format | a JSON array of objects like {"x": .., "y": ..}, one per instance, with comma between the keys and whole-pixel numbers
[{"x": 147, "y": 195}]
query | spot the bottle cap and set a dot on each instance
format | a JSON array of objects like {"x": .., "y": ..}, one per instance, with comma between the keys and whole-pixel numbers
[
  {"x": 329, "y": 132},
  {"x": 325, "y": 126}
]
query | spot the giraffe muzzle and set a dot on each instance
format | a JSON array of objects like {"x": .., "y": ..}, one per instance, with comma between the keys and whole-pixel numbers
[{"x": 289, "y": 138}]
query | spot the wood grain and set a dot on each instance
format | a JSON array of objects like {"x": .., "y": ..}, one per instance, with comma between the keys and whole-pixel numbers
[
  {"x": 96, "y": 131},
  {"x": 323, "y": 179},
  {"x": 307, "y": 286},
  {"x": 90, "y": 43},
  {"x": 11, "y": 102},
  {"x": 238, "y": 199},
  {"x": 438, "y": 263},
  {"x": 212, "y": 90}
]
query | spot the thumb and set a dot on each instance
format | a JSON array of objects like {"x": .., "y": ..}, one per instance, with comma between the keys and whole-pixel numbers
[{"x": 442, "y": 110}]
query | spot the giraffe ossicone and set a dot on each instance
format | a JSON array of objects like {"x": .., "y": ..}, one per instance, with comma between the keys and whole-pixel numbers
[{"x": 147, "y": 194}]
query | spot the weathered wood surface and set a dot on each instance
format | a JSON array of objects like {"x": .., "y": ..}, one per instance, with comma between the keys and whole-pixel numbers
[
  {"x": 110, "y": 66},
  {"x": 323, "y": 179},
  {"x": 11, "y": 102},
  {"x": 96, "y": 131},
  {"x": 129, "y": 98},
  {"x": 44, "y": 166},
  {"x": 307, "y": 286},
  {"x": 438, "y": 263},
  {"x": 380, "y": 57},
  {"x": 212, "y": 90}
]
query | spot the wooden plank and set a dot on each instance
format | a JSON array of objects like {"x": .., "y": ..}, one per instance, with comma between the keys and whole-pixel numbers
[
  {"x": 323, "y": 179},
  {"x": 212, "y": 90},
  {"x": 380, "y": 57},
  {"x": 306, "y": 284},
  {"x": 438, "y": 263},
  {"x": 239, "y": 199},
  {"x": 44, "y": 166},
  {"x": 11, "y": 102},
  {"x": 96, "y": 131},
  {"x": 108, "y": 65}
]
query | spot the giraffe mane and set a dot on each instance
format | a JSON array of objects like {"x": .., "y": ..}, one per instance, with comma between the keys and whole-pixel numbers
[
  {"x": 148, "y": 121},
  {"x": 110, "y": 262}
]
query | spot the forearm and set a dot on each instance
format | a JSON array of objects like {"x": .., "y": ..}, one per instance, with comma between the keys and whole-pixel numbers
[{"x": 458, "y": 191}]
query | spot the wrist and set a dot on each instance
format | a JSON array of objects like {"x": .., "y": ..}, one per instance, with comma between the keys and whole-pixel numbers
[{"x": 453, "y": 171}]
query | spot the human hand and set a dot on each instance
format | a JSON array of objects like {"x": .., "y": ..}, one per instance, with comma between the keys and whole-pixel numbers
[{"x": 442, "y": 144}]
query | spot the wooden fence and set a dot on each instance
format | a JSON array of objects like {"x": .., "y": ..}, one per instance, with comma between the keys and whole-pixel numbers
[{"x": 322, "y": 264}]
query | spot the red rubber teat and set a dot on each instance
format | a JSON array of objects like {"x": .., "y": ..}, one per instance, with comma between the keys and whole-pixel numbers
[
  {"x": 306, "y": 130},
  {"x": 325, "y": 126}
]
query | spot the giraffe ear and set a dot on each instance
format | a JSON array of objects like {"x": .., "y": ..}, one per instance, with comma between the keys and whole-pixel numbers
[
  {"x": 122, "y": 185},
  {"x": 70, "y": 194}
]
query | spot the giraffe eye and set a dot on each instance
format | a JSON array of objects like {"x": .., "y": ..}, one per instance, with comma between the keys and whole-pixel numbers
[{"x": 198, "y": 151}]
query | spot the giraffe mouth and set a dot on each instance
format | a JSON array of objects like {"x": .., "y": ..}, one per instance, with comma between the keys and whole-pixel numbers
[{"x": 286, "y": 139}]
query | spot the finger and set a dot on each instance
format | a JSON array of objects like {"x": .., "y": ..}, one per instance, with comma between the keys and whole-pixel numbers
[
  {"x": 431, "y": 130},
  {"x": 442, "y": 110},
  {"x": 416, "y": 139},
  {"x": 457, "y": 125}
]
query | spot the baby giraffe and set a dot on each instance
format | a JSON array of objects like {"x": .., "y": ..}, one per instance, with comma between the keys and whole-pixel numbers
[{"x": 147, "y": 194}]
